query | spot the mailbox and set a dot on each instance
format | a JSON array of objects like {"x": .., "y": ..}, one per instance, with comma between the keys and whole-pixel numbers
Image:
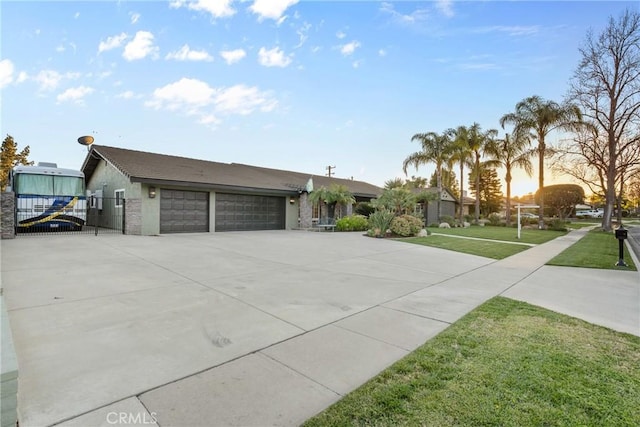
[{"x": 621, "y": 235}]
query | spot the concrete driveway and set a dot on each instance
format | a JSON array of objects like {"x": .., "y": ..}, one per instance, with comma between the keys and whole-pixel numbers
[
  {"x": 105, "y": 327},
  {"x": 252, "y": 328}
]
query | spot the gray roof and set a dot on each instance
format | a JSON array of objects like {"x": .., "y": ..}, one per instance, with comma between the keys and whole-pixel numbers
[{"x": 153, "y": 168}]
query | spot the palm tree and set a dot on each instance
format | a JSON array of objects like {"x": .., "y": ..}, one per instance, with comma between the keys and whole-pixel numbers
[
  {"x": 341, "y": 196},
  {"x": 461, "y": 153},
  {"x": 542, "y": 117},
  {"x": 511, "y": 152},
  {"x": 393, "y": 183},
  {"x": 435, "y": 149},
  {"x": 478, "y": 141}
]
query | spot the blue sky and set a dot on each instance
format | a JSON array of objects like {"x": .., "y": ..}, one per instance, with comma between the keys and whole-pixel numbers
[{"x": 297, "y": 85}]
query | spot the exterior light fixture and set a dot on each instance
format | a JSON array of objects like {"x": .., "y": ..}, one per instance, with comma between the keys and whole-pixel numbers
[
  {"x": 152, "y": 192},
  {"x": 292, "y": 200}
]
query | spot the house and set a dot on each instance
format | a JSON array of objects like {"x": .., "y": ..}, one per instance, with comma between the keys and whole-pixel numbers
[
  {"x": 429, "y": 210},
  {"x": 156, "y": 193}
]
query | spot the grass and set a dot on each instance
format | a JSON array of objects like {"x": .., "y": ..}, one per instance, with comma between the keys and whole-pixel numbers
[
  {"x": 495, "y": 250},
  {"x": 506, "y": 363},
  {"x": 485, "y": 248},
  {"x": 527, "y": 235},
  {"x": 597, "y": 249}
]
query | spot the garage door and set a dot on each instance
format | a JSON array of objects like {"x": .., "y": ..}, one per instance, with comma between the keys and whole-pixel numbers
[
  {"x": 184, "y": 211},
  {"x": 239, "y": 212}
]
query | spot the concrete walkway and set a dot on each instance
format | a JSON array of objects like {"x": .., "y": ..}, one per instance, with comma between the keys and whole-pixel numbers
[{"x": 264, "y": 328}]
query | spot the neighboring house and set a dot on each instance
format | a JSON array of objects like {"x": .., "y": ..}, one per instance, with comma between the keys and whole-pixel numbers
[
  {"x": 448, "y": 204},
  {"x": 170, "y": 194}
]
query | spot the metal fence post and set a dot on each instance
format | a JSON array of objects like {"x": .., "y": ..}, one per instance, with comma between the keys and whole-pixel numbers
[{"x": 124, "y": 215}]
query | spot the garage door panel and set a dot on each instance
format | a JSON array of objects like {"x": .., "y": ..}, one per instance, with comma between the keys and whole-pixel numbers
[
  {"x": 240, "y": 212},
  {"x": 184, "y": 211}
]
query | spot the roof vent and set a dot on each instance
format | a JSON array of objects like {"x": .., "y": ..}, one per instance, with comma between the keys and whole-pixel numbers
[{"x": 47, "y": 165}]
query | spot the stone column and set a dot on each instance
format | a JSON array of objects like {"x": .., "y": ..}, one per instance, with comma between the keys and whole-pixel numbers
[
  {"x": 349, "y": 209},
  {"x": 8, "y": 209},
  {"x": 133, "y": 217},
  {"x": 305, "y": 210}
]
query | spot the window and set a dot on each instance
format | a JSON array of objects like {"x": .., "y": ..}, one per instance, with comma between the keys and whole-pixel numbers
[
  {"x": 315, "y": 212},
  {"x": 119, "y": 196}
]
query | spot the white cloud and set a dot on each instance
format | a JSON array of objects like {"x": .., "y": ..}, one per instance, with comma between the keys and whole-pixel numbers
[
  {"x": 128, "y": 94},
  {"x": 445, "y": 7},
  {"x": 22, "y": 77},
  {"x": 512, "y": 30},
  {"x": 233, "y": 56},
  {"x": 6, "y": 72},
  {"x": 48, "y": 79},
  {"x": 135, "y": 17},
  {"x": 349, "y": 48},
  {"x": 416, "y": 17},
  {"x": 112, "y": 42},
  {"x": 241, "y": 99},
  {"x": 196, "y": 98},
  {"x": 273, "y": 58},
  {"x": 217, "y": 8},
  {"x": 186, "y": 54},
  {"x": 75, "y": 94},
  {"x": 302, "y": 32},
  {"x": 341, "y": 35},
  {"x": 271, "y": 9},
  {"x": 382, "y": 52},
  {"x": 60, "y": 48},
  {"x": 76, "y": 15},
  {"x": 140, "y": 47},
  {"x": 183, "y": 94}
]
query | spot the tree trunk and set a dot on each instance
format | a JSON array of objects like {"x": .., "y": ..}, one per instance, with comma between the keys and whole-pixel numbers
[
  {"x": 508, "y": 213},
  {"x": 461, "y": 192},
  {"x": 541, "y": 150},
  {"x": 477, "y": 188},
  {"x": 610, "y": 196}
]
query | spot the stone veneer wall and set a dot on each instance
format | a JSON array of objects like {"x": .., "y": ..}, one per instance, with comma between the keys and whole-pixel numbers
[
  {"x": 306, "y": 210},
  {"x": 133, "y": 217},
  {"x": 8, "y": 202}
]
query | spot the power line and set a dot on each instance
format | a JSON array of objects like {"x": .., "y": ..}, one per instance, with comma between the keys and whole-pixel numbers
[{"x": 329, "y": 169}]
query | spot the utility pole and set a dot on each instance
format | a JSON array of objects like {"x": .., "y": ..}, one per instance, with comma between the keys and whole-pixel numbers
[{"x": 329, "y": 169}]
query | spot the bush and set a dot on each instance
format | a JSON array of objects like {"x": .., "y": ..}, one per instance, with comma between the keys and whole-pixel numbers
[
  {"x": 352, "y": 223},
  {"x": 379, "y": 222},
  {"x": 557, "y": 225},
  {"x": 364, "y": 208},
  {"x": 448, "y": 219},
  {"x": 494, "y": 219},
  {"x": 406, "y": 225}
]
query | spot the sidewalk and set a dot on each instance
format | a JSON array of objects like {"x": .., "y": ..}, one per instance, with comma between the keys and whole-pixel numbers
[{"x": 288, "y": 382}]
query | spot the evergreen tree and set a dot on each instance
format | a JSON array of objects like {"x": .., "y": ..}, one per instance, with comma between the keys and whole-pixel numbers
[
  {"x": 490, "y": 190},
  {"x": 449, "y": 181},
  {"x": 10, "y": 157}
]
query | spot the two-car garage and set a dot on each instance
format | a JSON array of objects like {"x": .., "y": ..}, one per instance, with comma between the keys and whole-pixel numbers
[{"x": 183, "y": 211}]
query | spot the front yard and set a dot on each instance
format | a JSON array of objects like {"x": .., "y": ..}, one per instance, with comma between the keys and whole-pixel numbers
[{"x": 507, "y": 363}]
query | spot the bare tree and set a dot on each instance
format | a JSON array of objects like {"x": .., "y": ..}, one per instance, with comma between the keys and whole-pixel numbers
[{"x": 606, "y": 85}]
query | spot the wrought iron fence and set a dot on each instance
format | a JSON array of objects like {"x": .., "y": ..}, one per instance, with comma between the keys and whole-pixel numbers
[{"x": 42, "y": 215}]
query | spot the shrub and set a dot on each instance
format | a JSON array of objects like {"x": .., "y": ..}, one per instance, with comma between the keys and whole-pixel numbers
[
  {"x": 352, "y": 223},
  {"x": 558, "y": 225},
  {"x": 379, "y": 222},
  {"x": 364, "y": 208},
  {"x": 494, "y": 219},
  {"x": 406, "y": 225},
  {"x": 448, "y": 219}
]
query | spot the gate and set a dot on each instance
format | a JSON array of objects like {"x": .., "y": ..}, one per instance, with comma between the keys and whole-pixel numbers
[{"x": 45, "y": 216}]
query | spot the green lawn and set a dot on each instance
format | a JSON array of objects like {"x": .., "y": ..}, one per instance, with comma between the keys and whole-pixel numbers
[
  {"x": 495, "y": 250},
  {"x": 487, "y": 249},
  {"x": 502, "y": 233},
  {"x": 597, "y": 249},
  {"x": 506, "y": 363}
]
